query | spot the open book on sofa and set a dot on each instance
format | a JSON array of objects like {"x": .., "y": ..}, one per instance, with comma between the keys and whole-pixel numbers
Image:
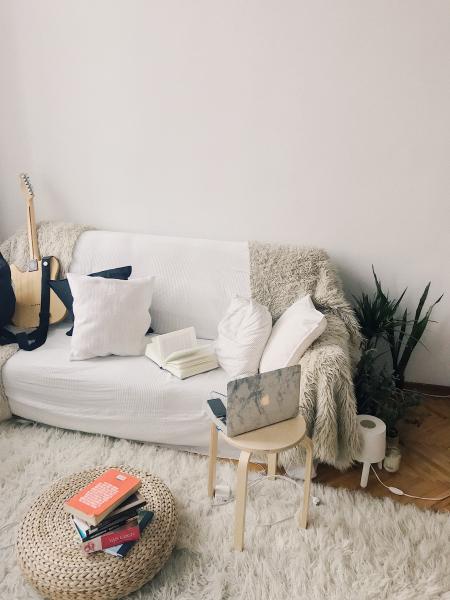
[{"x": 180, "y": 353}]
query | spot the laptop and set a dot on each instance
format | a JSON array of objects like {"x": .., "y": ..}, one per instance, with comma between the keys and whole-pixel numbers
[{"x": 257, "y": 401}]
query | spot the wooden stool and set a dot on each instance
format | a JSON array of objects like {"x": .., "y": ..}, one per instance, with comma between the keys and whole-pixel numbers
[{"x": 270, "y": 440}]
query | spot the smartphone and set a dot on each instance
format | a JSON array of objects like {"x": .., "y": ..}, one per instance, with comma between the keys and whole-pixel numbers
[{"x": 218, "y": 407}]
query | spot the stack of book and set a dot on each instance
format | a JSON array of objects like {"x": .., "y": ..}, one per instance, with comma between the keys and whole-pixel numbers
[{"x": 108, "y": 514}]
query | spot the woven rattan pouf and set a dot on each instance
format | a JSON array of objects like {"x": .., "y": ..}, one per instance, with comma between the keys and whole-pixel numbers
[{"x": 49, "y": 551}]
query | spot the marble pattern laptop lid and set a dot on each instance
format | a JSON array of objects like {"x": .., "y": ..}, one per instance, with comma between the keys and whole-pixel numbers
[{"x": 261, "y": 400}]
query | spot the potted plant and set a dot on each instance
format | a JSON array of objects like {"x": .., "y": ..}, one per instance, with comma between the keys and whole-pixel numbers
[{"x": 387, "y": 329}]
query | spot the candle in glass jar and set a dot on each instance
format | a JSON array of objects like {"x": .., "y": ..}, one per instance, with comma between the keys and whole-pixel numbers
[{"x": 392, "y": 460}]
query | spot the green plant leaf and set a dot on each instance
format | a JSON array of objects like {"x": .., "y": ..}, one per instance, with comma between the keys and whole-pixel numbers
[
  {"x": 417, "y": 330},
  {"x": 398, "y": 344},
  {"x": 422, "y": 301}
]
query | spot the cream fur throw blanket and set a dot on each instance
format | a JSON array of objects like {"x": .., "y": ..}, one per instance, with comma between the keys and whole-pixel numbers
[
  {"x": 55, "y": 239},
  {"x": 327, "y": 399}
]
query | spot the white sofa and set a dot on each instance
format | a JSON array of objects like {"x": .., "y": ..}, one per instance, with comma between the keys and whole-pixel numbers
[{"x": 195, "y": 281}]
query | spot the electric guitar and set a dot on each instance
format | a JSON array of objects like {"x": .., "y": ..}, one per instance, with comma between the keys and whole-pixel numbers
[{"x": 27, "y": 284}]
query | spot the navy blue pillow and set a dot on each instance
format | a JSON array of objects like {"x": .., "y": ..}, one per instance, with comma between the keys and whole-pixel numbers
[
  {"x": 7, "y": 297},
  {"x": 61, "y": 287}
]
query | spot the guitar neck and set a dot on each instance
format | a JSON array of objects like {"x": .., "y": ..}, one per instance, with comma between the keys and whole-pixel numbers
[{"x": 32, "y": 232}]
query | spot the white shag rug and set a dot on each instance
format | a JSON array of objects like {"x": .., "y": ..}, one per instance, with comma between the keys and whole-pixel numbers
[{"x": 356, "y": 547}]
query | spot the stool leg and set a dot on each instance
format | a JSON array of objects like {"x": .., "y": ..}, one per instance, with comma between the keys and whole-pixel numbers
[
  {"x": 365, "y": 474},
  {"x": 307, "y": 443},
  {"x": 272, "y": 464},
  {"x": 240, "y": 500},
  {"x": 212, "y": 460}
]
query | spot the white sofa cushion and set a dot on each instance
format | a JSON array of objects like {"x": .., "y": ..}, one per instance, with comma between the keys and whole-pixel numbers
[
  {"x": 111, "y": 316},
  {"x": 124, "y": 396},
  {"x": 195, "y": 279},
  {"x": 292, "y": 334},
  {"x": 243, "y": 333}
]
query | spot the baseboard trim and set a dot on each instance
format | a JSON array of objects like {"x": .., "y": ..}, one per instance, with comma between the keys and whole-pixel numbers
[{"x": 428, "y": 388}]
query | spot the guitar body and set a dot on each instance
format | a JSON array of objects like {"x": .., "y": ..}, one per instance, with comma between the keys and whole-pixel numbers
[
  {"x": 27, "y": 288},
  {"x": 27, "y": 284}
]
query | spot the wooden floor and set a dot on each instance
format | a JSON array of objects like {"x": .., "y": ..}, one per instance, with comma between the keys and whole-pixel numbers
[{"x": 425, "y": 466}]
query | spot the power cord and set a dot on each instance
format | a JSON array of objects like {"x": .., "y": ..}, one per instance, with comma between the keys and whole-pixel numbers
[
  {"x": 399, "y": 492},
  {"x": 223, "y": 495},
  {"x": 315, "y": 499}
]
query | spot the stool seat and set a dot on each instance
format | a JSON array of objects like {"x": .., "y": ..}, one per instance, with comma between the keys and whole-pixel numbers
[{"x": 273, "y": 438}]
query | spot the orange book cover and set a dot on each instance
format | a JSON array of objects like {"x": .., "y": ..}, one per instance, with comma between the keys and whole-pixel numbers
[{"x": 95, "y": 501}]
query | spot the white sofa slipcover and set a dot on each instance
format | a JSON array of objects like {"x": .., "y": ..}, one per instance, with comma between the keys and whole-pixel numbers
[
  {"x": 196, "y": 280},
  {"x": 127, "y": 397}
]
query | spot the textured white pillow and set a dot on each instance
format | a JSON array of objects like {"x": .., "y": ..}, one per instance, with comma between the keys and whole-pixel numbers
[
  {"x": 292, "y": 334},
  {"x": 243, "y": 333},
  {"x": 111, "y": 315}
]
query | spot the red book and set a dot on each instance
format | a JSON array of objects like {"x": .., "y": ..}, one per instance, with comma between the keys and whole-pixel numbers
[
  {"x": 131, "y": 533},
  {"x": 94, "y": 502}
]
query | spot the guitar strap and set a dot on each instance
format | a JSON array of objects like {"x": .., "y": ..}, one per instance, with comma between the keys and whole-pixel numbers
[{"x": 37, "y": 337}]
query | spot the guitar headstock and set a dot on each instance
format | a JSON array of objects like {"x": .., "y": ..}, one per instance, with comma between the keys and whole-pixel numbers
[{"x": 26, "y": 187}]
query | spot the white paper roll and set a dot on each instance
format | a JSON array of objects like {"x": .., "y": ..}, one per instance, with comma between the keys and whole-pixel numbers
[{"x": 373, "y": 439}]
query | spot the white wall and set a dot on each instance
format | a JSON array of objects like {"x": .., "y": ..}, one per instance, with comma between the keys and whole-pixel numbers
[{"x": 312, "y": 122}]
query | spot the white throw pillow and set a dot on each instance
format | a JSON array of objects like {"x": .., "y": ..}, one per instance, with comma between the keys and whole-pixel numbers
[
  {"x": 243, "y": 333},
  {"x": 111, "y": 315},
  {"x": 292, "y": 334}
]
